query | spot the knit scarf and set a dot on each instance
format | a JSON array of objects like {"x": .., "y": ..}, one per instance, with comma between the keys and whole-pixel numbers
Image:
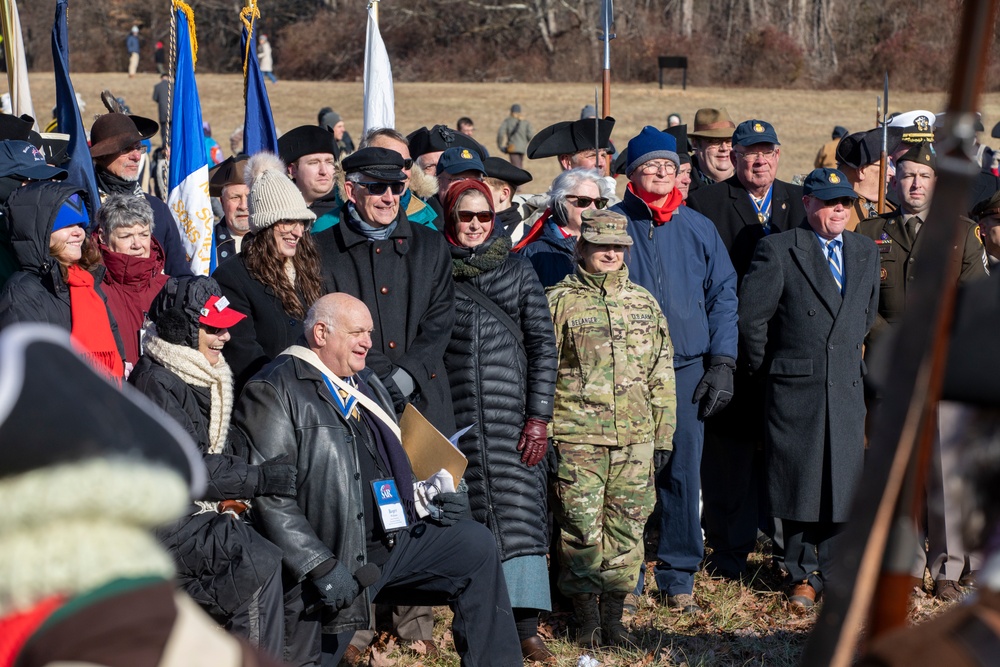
[
  {"x": 91, "y": 324},
  {"x": 110, "y": 184},
  {"x": 475, "y": 261},
  {"x": 370, "y": 232},
  {"x": 661, "y": 214},
  {"x": 193, "y": 368}
]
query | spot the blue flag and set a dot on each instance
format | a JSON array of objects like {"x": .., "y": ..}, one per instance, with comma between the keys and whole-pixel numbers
[
  {"x": 80, "y": 166},
  {"x": 258, "y": 123},
  {"x": 188, "y": 197}
]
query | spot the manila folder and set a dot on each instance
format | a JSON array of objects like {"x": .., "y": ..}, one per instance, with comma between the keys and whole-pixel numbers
[{"x": 429, "y": 451}]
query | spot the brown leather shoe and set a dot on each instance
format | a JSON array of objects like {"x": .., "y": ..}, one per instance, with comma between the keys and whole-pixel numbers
[
  {"x": 353, "y": 657},
  {"x": 533, "y": 649},
  {"x": 947, "y": 590},
  {"x": 802, "y": 596}
]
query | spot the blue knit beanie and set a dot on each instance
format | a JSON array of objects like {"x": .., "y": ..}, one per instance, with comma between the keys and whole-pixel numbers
[{"x": 650, "y": 144}]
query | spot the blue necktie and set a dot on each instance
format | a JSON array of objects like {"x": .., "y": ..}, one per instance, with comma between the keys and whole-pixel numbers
[{"x": 834, "y": 261}]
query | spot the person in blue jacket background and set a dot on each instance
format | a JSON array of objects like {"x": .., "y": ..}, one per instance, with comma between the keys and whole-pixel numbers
[{"x": 680, "y": 258}]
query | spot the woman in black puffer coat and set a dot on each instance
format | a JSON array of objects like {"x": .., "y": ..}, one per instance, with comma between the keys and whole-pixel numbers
[{"x": 501, "y": 363}]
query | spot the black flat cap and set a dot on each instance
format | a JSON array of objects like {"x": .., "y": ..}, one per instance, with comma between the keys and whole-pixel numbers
[
  {"x": 503, "y": 170},
  {"x": 568, "y": 137},
  {"x": 440, "y": 138},
  {"x": 305, "y": 140},
  {"x": 377, "y": 162},
  {"x": 227, "y": 172}
]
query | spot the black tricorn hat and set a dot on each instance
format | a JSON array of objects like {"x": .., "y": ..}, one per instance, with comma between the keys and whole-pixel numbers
[
  {"x": 568, "y": 137},
  {"x": 680, "y": 134},
  {"x": 503, "y": 170},
  {"x": 15, "y": 127},
  {"x": 56, "y": 410},
  {"x": 440, "y": 138}
]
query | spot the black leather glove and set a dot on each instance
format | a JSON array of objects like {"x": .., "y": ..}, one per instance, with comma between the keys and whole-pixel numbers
[
  {"x": 661, "y": 457},
  {"x": 276, "y": 478},
  {"x": 454, "y": 506},
  {"x": 716, "y": 386},
  {"x": 338, "y": 588}
]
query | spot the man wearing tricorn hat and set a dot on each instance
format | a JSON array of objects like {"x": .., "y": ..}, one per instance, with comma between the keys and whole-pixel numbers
[
  {"x": 310, "y": 154},
  {"x": 711, "y": 139},
  {"x": 679, "y": 257},
  {"x": 426, "y": 147},
  {"x": 117, "y": 149},
  {"x": 226, "y": 182},
  {"x": 897, "y": 235},
  {"x": 858, "y": 157},
  {"x": 572, "y": 142}
]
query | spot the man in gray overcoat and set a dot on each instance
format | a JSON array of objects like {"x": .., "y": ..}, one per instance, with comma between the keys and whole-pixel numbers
[{"x": 806, "y": 304}]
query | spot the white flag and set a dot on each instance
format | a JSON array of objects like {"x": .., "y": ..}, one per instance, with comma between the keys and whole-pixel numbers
[
  {"x": 17, "y": 65},
  {"x": 379, "y": 100}
]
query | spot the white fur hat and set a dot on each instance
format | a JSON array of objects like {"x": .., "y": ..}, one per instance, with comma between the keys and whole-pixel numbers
[{"x": 273, "y": 195}]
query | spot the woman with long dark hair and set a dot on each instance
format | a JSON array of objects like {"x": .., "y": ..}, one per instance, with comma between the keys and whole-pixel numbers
[
  {"x": 501, "y": 363},
  {"x": 276, "y": 277},
  {"x": 61, "y": 271}
]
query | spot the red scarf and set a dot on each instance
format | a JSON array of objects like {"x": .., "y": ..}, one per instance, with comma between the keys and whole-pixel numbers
[
  {"x": 661, "y": 214},
  {"x": 91, "y": 324},
  {"x": 535, "y": 232},
  {"x": 17, "y": 629}
]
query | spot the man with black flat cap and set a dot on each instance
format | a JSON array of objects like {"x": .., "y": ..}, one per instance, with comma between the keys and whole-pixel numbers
[
  {"x": 310, "y": 152},
  {"x": 226, "y": 182},
  {"x": 402, "y": 272},
  {"x": 117, "y": 149}
]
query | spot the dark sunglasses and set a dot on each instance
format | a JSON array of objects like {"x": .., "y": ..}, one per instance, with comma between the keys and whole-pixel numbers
[
  {"x": 407, "y": 163},
  {"x": 481, "y": 216},
  {"x": 584, "y": 202},
  {"x": 378, "y": 189},
  {"x": 213, "y": 331}
]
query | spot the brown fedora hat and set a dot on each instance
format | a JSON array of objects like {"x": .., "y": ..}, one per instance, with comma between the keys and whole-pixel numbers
[
  {"x": 712, "y": 124},
  {"x": 114, "y": 132}
]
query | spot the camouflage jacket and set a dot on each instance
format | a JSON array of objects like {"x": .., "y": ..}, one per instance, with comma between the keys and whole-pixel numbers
[{"x": 615, "y": 381}]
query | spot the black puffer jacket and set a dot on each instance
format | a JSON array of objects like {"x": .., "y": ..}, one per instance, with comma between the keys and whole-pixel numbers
[
  {"x": 221, "y": 560},
  {"x": 497, "y": 383},
  {"x": 38, "y": 293}
]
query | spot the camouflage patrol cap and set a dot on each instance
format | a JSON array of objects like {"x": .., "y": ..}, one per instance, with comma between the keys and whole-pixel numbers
[{"x": 605, "y": 227}]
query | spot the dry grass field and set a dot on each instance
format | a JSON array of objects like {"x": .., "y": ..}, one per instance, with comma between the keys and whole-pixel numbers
[
  {"x": 745, "y": 624},
  {"x": 803, "y": 119}
]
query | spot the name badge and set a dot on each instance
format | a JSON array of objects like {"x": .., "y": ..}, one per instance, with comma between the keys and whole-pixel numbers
[{"x": 390, "y": 507}]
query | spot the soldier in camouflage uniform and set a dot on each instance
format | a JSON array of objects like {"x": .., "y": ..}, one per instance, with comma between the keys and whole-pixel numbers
[{"x": 615, "y": 403}]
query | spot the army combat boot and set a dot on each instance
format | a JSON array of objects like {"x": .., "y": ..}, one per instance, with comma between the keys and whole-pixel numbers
[
  {"x": 613, "y": 631},
  {"x": 588, "y": 619}
]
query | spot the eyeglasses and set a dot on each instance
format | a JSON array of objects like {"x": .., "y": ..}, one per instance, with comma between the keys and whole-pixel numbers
[
  {"x": 753, "y": 156},
  {"x": 585, "y": 202},
  {"x": 481, "y": 216},
  {"x": 378, "y": 189},
  {"x": 139, "y": 146},
  {"x": 654, "y": 168}
]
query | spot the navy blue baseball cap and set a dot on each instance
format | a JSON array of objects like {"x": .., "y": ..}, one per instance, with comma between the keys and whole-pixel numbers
[
  {"x": 827, "y": 184},
  {"x": 754, "y": 131},
  {"x": 457, "y": 159},
  {"x": 22, "y": 159}
]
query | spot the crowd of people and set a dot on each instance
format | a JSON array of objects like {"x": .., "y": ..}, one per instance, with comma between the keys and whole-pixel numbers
[{"x": 680, "y": 361}]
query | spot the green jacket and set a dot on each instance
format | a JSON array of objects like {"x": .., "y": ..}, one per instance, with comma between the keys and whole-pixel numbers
[{"x": 615, "y": 378}]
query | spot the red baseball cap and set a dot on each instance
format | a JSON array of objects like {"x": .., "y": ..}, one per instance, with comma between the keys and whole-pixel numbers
[{"x": 217, "y": 313}]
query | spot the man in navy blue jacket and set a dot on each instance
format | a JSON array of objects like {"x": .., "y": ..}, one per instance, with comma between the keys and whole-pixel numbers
[{"x": 679, "y": 257}]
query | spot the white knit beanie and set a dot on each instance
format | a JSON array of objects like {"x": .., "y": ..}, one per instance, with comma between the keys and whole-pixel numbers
[{"x": 273, "y": 195}]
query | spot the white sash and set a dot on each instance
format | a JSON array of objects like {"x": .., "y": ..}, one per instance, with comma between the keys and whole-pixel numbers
[{"x": 311, "y": 358}]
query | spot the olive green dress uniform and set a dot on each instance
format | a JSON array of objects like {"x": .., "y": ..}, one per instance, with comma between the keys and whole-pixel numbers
[
  {"x": 898, "y": 262},
  {"x": 615, "y": 401}
]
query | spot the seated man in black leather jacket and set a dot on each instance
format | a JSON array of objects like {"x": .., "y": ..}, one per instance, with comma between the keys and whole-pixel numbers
[{"x": 334, "y": 421}]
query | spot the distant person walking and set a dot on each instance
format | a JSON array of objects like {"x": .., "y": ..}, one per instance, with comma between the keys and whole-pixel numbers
[
  {"x": 161, "y": 95},
  {"x": 265, "y": 58},
  {"x": 160, "y": 58},
  {"x": 132, "y": 44},
  {"x": 514, "y": 135}
]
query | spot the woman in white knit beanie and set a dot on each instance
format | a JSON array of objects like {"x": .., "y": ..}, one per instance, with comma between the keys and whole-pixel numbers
[{"x": 277, "y": 275}]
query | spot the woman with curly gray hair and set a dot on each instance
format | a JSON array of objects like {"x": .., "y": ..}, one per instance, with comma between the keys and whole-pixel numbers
[{"x": 550, "y": 243}]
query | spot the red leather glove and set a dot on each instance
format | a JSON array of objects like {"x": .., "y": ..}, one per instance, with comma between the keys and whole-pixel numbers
[{"x": 533, "y": 442}]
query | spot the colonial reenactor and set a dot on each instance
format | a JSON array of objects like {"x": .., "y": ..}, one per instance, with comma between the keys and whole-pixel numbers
[
  {"x": 504, "y": 179},
  {"x": 827, "y": 155},
  {"x": 858, "y": 158},
  {"x": 897, "y": 236},
  {"x": 572, "y": 143},
  {"x": 806, "y": 305},
  {"x": 226, "y": 182}
]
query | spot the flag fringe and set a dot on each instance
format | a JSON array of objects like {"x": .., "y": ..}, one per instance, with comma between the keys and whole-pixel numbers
[{"x": 182, "y": 6}]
